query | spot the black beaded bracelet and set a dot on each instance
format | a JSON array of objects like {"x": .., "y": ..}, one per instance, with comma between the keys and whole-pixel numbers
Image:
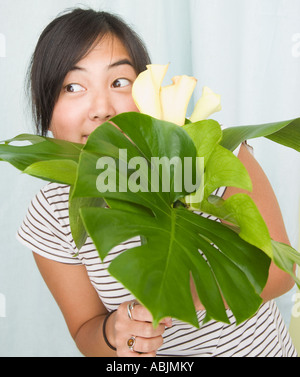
[{"x": 104, "y": 332}]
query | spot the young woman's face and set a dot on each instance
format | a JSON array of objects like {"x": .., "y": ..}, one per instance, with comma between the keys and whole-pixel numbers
[{"x": 97, "y": 88}]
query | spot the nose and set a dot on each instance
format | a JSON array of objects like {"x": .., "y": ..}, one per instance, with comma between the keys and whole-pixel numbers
[{"x": 101, "y": 108}]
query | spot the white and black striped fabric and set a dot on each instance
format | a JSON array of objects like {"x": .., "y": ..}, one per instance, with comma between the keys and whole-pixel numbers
[{"x": 46, "y": 231}]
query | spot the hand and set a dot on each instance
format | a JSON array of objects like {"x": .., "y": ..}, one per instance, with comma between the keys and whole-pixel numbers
[{"x": 147, "y": 339}]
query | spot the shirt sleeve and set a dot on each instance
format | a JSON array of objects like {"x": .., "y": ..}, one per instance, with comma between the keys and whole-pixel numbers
[{"x": 46, "y": 227}]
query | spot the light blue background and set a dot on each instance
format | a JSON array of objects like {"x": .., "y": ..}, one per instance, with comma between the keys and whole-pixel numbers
[{"x": 246, "y": 50}]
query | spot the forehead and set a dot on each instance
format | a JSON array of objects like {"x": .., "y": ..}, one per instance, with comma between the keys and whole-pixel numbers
[{"x": 108, "y": 49}]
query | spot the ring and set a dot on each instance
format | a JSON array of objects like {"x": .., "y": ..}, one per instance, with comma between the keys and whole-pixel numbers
[
  {"x": 131, "y": 343},
  {"x": 129, "y": 308}
]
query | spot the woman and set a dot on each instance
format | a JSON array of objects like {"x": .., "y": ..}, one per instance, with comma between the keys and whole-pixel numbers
[{"x": 82, "y": 73}]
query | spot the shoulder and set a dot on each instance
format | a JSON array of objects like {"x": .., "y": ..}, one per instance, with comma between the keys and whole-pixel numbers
[
  {"x": 51, "y": 205},
  {"x": 53, "y": 191},
  {"x": 46, "y": 227}
]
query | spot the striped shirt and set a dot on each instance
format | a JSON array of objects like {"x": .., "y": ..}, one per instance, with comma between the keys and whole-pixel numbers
[{"x": 46, "y": 231}]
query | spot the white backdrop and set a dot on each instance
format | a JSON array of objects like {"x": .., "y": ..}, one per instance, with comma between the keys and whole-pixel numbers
[{"x": 246, "y": 50}]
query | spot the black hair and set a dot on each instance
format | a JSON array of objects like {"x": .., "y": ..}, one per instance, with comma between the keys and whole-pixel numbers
[{"x": 64, "y": 42}]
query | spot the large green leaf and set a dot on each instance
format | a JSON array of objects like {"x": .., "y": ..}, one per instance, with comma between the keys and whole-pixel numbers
[
  {"x": 206, "y": 135},
  {"x": 61, "y": 171},
  {"x": 46, "y": 158},
  {"x": 146, "y": 138},
  {"x": 286, "y": 133},
  {"x": 158, "y": 272},
  {"x": 241, "y": 211}
]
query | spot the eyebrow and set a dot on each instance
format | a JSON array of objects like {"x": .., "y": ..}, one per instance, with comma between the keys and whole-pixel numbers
[
  {"x": 112, "y": 65},
  {"x": 120, "y": 62}
]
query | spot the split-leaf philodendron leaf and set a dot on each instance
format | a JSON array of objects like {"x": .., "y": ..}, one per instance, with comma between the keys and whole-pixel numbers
[{"x": 114, "y": 198}]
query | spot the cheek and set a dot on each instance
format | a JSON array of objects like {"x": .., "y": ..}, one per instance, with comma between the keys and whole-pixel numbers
[
  {"x": 131, "y": 105},
  {"x": 134, "y": 108},
  {"x": 125, "y": 105},
  {"x": 65, "y": 121}
]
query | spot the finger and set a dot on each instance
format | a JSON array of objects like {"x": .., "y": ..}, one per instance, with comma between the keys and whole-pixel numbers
[
  {"x": 166, "y": 321},
  {"x": 147, "y": 345},
  {"x": 140, "y": 313},
  {"x": 142, "y": 345},
  {"x": 145, "y": 329},
  {"x": 137, "y": 346}
]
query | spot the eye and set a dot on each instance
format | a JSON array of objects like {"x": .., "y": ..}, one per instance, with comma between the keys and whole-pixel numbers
[
  {"x": 120, "y": 83},
  {"x": 74, "y": 88}
]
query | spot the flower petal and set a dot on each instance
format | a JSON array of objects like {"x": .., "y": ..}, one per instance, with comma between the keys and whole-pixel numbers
[
  {"x": 146, "y": 90},
  {"x": 208, "y": 104},
  {"x": 176, "y": 97}
]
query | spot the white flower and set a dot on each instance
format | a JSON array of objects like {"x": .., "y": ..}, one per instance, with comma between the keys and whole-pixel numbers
[
  {"x": 170, "y": 102},
  {"x": 208, "y": 104}
]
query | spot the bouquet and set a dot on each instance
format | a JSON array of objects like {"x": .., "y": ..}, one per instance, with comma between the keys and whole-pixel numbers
[{"x": 147, "y": 174}]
